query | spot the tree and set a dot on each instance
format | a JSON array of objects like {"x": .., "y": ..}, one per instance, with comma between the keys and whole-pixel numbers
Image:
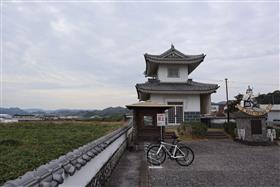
[
  {"x": 233, "y": 103},
  {"x": 270, "y": 98}
]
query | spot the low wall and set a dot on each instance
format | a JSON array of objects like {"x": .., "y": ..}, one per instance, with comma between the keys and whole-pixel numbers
[{"x": 89, "y": 165}]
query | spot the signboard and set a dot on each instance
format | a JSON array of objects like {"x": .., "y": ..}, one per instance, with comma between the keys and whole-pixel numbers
[{"x": 161, "y": 119}]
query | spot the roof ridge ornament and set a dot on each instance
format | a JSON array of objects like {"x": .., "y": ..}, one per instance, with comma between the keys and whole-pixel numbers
[
  {"x": 172, "y": 46},
  {"x": 249, "y": 104}
]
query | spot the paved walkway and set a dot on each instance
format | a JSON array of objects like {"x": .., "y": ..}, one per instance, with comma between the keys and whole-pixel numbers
[
  {"x": 131, "y": 171},
  {"x": 217, "y": 163}
]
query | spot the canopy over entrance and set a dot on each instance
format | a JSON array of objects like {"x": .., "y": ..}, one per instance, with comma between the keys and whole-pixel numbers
[
  {"x": 145, "y": 120},
  {"x": 148, "y": 104}
]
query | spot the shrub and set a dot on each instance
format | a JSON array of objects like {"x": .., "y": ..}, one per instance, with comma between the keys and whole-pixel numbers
[
  {"x": 114, "y": 118},
  {"x": 10, "y": 142},
  {"x": 182, "y": 129},
  {"x": 27, "y": 145},
  {"x": 230, "y": 128},
  {"x": 193, "y": 128},
  {"x": 199, "y": 129}
]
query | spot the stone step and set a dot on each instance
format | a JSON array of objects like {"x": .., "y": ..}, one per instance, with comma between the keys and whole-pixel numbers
[{"x": 216, "y": 135}]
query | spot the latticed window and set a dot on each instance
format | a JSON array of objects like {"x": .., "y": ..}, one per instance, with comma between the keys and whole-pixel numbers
[
  {"x": 173, "y": 72},
  {"x": 179, "y": 114},
  {"x": 171, "y": 115},
  {"x": 175, "y": 115}
]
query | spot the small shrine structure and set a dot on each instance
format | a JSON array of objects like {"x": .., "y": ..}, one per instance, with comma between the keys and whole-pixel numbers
[{"x": 251, "y": 120}]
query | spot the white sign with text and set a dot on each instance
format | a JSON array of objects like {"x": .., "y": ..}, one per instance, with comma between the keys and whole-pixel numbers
[{"x": 161, "y": 119}]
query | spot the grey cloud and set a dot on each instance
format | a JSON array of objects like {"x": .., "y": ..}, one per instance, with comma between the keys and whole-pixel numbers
[{"x": 91, "y": 47}]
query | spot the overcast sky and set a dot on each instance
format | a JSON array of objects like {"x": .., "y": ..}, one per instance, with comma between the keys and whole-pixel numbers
[{"x": 90, "y": 55}]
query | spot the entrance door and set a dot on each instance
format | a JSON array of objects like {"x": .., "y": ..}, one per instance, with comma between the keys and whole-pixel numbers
[
  {"x": 175, "y": 114},
  {"x": 147, "y": 128}
]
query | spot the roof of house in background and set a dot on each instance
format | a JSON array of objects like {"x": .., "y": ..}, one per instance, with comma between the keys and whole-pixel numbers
[
  {"x": 275, "y": 107},
  {"x": 171, "y": 56}
]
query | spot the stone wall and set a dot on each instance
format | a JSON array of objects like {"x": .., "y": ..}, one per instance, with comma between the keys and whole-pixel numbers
[
  {"x": 105, "y": 172},
  {"x": 245, "y": 123}
]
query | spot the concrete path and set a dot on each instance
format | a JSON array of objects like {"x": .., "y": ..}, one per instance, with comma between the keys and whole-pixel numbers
[
  {"x": 217, "y": 163},
  {"x": 222, "y": 163},
  {"x": 131, "y": 171}
]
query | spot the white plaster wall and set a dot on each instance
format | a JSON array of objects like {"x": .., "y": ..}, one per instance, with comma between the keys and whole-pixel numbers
[
  {"x": 191, "y": 102},
  {"x": 273, "y": 115},
  {"x": 206, "y": 104},
  {"x": 163, "y": 73}
]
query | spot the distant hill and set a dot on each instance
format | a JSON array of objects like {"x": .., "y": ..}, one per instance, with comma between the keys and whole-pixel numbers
[
  {"x": 269, "y": 98},
  {"x": 219, "y": 103},
  {"x": 107, "y": 112},
  {"x": 33, "y": 110},
  {"x": 13, "y": 111}
]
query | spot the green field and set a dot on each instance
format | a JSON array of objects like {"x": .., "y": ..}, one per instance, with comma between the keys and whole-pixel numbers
[{"x": 27, "y": 145}]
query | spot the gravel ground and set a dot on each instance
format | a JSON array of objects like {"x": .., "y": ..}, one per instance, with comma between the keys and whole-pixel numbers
[{"x": 222, "y": 163}]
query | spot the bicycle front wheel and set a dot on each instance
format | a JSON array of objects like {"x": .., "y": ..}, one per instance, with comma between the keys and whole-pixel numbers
[
  {"x": 155, "y": 155},
  {"x": 185, "y": 155}
]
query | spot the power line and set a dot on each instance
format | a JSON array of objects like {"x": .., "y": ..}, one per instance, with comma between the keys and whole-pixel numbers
[
  {"x": 239, "y": 82},
  {"x": 243, "y": 82}
]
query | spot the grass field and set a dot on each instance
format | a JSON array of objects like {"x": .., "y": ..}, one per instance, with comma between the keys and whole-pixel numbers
[{"x": 25, "y": 146}]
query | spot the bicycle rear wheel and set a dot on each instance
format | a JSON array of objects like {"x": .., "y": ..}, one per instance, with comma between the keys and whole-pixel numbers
[
  {"x": 156, "y": 156},
  {"x": 187, "y": 155}
]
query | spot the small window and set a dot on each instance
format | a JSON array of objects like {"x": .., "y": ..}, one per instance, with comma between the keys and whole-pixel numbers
[
  {"x": 173, "y": 72},
  {"x": 148, "y": 120}
]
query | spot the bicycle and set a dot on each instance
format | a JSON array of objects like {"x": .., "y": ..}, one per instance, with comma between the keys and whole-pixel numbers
[{"x": 183, "y": 155}]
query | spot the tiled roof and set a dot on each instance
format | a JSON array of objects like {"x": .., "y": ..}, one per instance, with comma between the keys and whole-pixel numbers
[
  {"x": 174, "y": 54},
  {"x": 171, "y": 56},
  {"x": 175, "y": 60},
  {"x": 240, "y": 114},
  {"x": 190, "y": 87}
]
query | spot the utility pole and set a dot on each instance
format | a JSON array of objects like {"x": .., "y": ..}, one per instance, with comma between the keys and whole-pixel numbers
[{"x": 227, "y": 100}]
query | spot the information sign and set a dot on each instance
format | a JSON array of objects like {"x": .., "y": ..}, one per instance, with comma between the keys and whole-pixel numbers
[{"x": 161, "y": 119}]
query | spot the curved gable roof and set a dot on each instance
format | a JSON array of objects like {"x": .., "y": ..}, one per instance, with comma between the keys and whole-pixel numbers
[{"x": 171, "y": 56}]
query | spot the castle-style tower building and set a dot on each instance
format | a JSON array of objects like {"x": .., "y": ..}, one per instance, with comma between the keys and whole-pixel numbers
[{"x": 169, "y": 83}]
